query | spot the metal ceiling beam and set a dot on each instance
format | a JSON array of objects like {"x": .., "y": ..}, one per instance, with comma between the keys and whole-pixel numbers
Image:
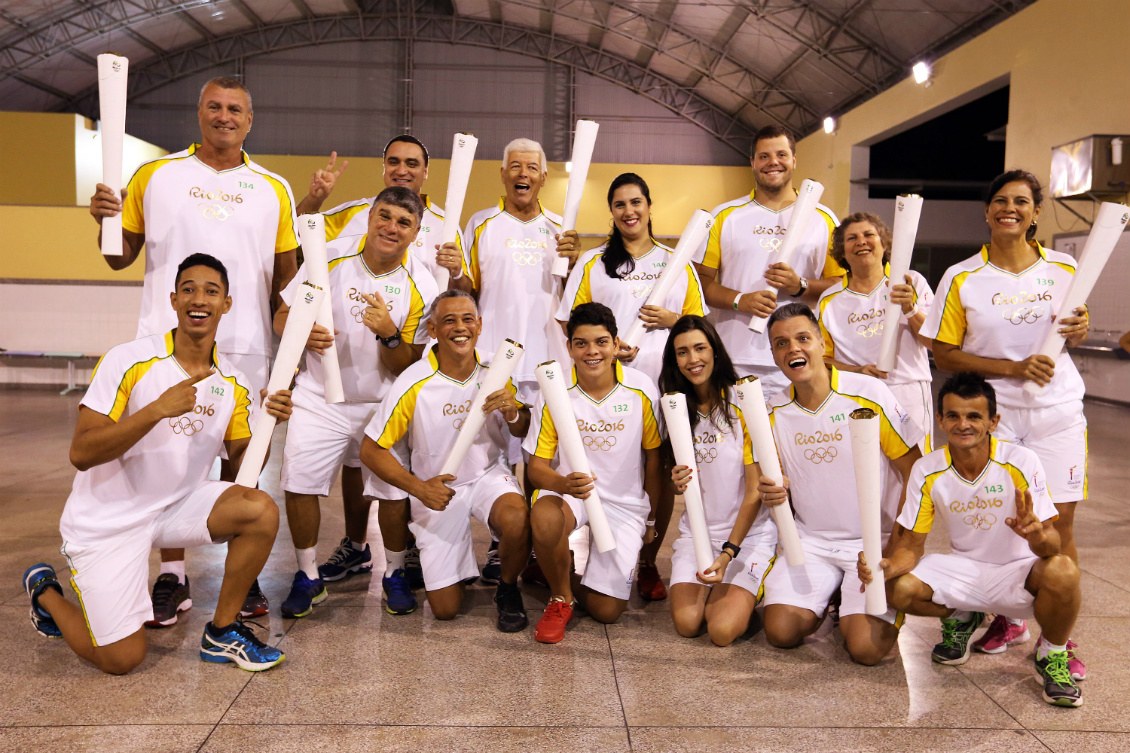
[{"x": 429, "y": 27}]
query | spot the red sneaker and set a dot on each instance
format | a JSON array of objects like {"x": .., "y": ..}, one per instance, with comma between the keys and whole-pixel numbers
[
  {"x": 1000, "y": 635},
  {"x": 1075, "y": 665},
  {"x": 551, "y": 626},
  {"x": 649, "y": 584}
]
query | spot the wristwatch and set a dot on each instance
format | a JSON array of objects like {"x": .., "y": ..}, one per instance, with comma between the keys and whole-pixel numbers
[
  {"x": 392, "y": 341},
  {"x": 732, "y": 549},
  {"x": 803, "y": 288}
]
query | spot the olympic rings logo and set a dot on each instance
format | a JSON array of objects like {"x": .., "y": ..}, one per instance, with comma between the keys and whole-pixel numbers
[
  {"x": 599, "y": 444},
  {"x": 185, "y": 425},
  {"x": 526, "y": 258},
  {"x": 457, "y": 424},
  {"x": 981, "y": 521},
  {"x": 218, "y": 212},
  {"x": 818, "y": 455},
  {"x": 870, "y": 329},
  {"x": 640, "y": 290},
  {"x": 709, "y": 455},
  {"x": 358, "y": 312},
  {"x": 1024, "y": 315},
  {"x": 772, "y": 245}
]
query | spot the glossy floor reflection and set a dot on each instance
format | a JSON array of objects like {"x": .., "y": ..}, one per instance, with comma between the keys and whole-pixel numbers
[{"x": 357, "y": 678}]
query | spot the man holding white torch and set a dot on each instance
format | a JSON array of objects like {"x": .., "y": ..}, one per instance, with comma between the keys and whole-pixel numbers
[
  {"x": 1007, "y": 556},
  {"x": 810, "y": 425},
  {"x": 422, "y": 414},
  {"x": 738, "y": 266},
  {"x": 210, "y": 197},
  {"x": 378, "y": 311}
]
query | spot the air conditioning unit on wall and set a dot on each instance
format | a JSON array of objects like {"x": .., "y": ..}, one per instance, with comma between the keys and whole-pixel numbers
[{"x": 1096, "y": 166}]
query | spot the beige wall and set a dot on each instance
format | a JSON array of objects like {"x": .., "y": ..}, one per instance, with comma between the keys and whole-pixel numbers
[{"x": 1065, "y": 61}]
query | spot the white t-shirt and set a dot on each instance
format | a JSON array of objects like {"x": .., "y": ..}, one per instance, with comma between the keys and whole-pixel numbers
[
  {"x": 173, "y": 459},
  {"x": 428, "y": 408},
  {"x": 511, "y": 263},
  {"x": 590, "y": 282},
  {"x": 853, "y": 323},
  {"x": 242, "y": 216},
  {"x": 975, "y": 511},
  {"x": 364, "y": 378},
  {"x": 816, "y": 454},
  {"x": 615, "y": 432},
  {"x": 743, "y": 242},
  {"x": 989, "y": 312},
  {"x": 347, "y": 223}
]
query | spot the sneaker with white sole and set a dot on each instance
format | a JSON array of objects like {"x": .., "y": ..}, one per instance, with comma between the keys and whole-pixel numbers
[
  {"x": 37, "y": 579},
  {"x": 237, "y": 644},
  {"x": 954, "y": 648},
  {"x": 1075, "y": 663},
  {"x": 492, "y": 570},
  {"x": 1059, "y": 688},
  {"x": 170, "y": 598},
  {"x": 345, "y": 561},
  {"x": 304, "y": 594},
  {"x": 1000, "y": 635}
]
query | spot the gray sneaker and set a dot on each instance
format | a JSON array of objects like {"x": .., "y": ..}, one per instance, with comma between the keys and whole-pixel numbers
[
  {"x": 1059, "y": 687},
  {"x": 345, "y": 561},
  {"x": 955, "y": 647}
]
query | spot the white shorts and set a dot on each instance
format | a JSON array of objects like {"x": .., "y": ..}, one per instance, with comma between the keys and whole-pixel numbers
[
  {"x": 748, "y": 571},
  {"x": 963, "y": 583},
  {"x": 612, "y": 573},
  {"x": 1058, "y": 436},
  {"x": 111, "y": 574},
  {"x": 320, "y": 439},
  {"x": 917, "y": 400},
  {"x": 828, "y": 566},
  {"x": 771, "y": 378},
  {"x": 444, "y": 537}
]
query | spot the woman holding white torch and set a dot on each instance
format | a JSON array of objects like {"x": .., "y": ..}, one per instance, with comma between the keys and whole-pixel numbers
[
  {"x": 620, "y": 274},
  {"x": 723, "y": 597},
  {"x": 993, "y": 313},
  {"x": 852, "y": 314}
]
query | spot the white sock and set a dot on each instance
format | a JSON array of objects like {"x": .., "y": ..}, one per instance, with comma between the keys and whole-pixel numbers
[
  {"x": 307, "y": 562},
  {"x": 961, "y": 616},
  {"x": 358, "y": 545},
  {"x": 1043, "y": 648},
  {"x": 176, "y": 568},
  {"x": 395, "y": 560}
]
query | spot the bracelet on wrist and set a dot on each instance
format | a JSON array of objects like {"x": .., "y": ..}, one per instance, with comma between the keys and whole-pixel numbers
[
  {"x": 458, "y": 276},
  {"x": 732, "y": 549},
  {"x": 737, "y": 302},
  {"x": 651, "y": 523},
  {"x": 517, "y": 416}
]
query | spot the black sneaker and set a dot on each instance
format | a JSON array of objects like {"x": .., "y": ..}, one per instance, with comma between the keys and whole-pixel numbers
[
  {"x": 170, "y": 597},
  {"x": 492, "y": 570},
  {"x": 1059, "y": 687},
  {"x": 256, "y": 604},
  {"x": 955, "y": 647},
  {"x": 511, "y": 611},
  {"x": 413, "y": 569}
]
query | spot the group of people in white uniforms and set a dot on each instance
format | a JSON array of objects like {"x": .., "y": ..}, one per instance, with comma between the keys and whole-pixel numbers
[{"x": 504, "y": 256}]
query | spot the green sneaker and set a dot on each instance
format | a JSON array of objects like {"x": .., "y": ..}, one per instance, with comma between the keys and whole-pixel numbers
[
  {"x": 954, "y": 648},
  {"x": 1059, "y": 687}
]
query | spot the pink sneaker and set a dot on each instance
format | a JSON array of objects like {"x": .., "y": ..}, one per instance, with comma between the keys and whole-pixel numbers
[
  {"x": 1000, "y": 635},
  {"x": 1074, "y": 664}
]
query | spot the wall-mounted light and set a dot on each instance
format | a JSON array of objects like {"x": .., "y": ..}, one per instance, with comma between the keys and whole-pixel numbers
[
  {"x": 829, "y": 125},
  {"x": 921, "y": 71},
  {"x": 569, "y": 166}
]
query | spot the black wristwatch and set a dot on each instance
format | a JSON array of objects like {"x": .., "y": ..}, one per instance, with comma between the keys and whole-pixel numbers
[
  {"x": 392, "y": 341},
  {"x": 803, "y": 288},
  {"x": 732, "y": 549}
]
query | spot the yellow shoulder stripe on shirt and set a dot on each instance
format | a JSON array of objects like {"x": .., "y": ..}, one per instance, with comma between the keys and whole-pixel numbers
[
  {"x": 401, "y": 415},
  {"x": 713, "y": 256}
]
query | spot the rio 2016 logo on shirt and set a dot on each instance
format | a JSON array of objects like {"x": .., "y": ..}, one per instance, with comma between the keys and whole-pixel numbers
[
  {"x": 459, "y": 410},
  {"x": 976, "y": 503},
  {"x": 1023, "y": 307},
  {"x": 216, "y": 205}
]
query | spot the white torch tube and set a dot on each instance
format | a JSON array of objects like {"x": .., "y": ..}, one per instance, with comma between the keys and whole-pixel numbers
[
  {"x": 865, "y": 455},
  {"x": 751, "y": 399},
  {"x": 496, "y": 377},
  {"x": 689, "y": 242},
  {"x": 458, "y": 175},
  {"x": 292, "y": 345},
  {"x": 572, "y": 449},
  {"x": 674, "y": 405},
  {"x": 908, "y": 210},
  {"x": 1109, "y": 223},
  {"x": 312, "y": 230},
  {"x": 804, "y": 211},
  {"x": 584, "y": 141},
  {"x": 113, "y": 71}
]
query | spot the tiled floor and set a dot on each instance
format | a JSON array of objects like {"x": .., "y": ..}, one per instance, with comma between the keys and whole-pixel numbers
[{"x": 358, "y": 679}]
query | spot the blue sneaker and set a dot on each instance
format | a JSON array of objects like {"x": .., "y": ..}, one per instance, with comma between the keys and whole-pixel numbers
[
  {"x": 37, "y": 579},
  {"x": 345, "y": 561},
  {"x": 304, "y": 594},
  {"x": 236, "y": 643},
  {"x": 399, "y": 598}
]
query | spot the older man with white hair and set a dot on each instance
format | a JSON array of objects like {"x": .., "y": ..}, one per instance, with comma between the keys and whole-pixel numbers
[{"x": 511, "y": 247}]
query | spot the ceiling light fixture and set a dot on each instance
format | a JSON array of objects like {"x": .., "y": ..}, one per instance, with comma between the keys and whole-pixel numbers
[
  {"x": 829, "y": 124},
  {"x": 921, "y": 71}
]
